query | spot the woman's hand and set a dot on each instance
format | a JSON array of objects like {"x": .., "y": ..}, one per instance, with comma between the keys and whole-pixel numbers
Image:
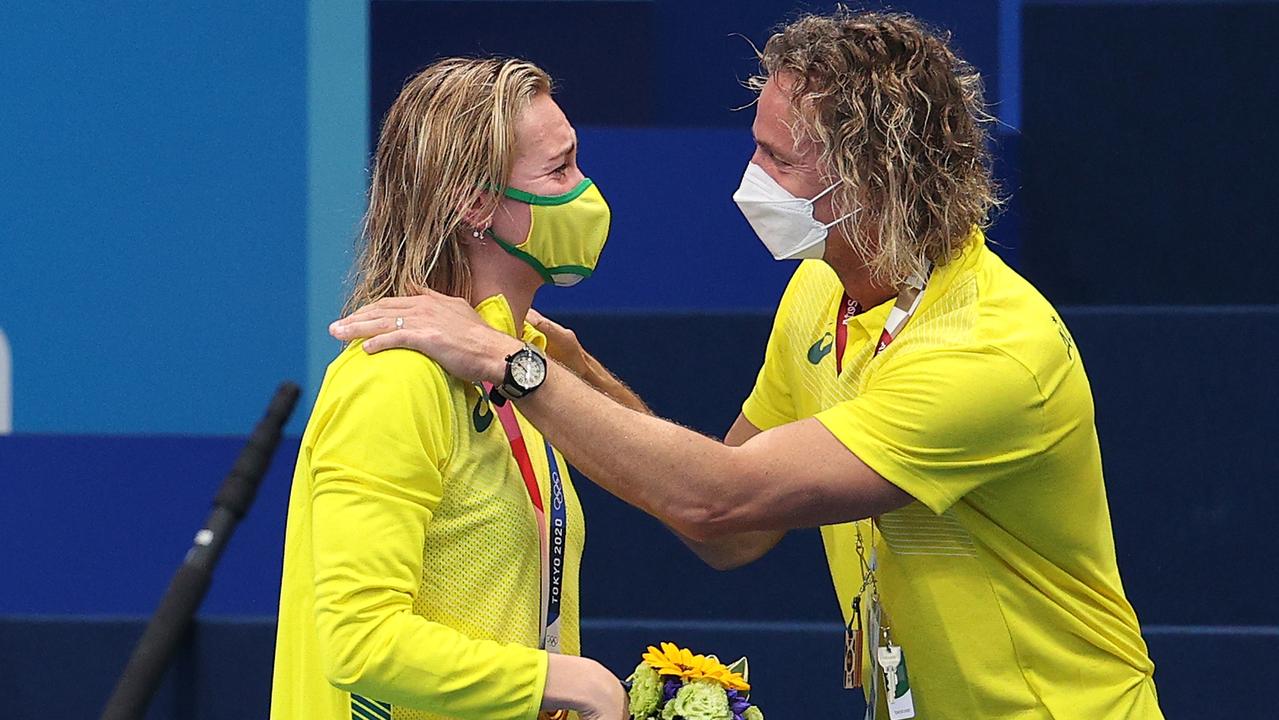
[
  {"x": 584, "y": 685},
  {"x": 445, "y": 328},
  {"x": 561, "y": 343}
]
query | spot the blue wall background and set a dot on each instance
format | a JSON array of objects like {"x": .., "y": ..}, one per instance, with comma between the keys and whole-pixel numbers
[
  {"x": 152, "y": 257},
  {"x": 183, "y": 184}
]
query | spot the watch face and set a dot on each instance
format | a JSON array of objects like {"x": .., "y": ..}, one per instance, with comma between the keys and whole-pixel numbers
[{"x": 527, "y": 370}]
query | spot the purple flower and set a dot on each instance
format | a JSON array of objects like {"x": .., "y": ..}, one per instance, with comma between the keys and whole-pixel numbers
[
  {"x": 737, "y": 703},
  {"x": 672, "y": 687}
]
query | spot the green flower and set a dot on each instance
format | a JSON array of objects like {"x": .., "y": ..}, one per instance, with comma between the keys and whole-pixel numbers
[
  {"x": 646, "y": 692},
  {"x": 699, "y": 700},
  {"x": 752, "y": 713}
]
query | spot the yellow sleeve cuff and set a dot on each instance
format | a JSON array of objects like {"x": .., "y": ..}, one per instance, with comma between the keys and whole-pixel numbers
[{"x": 761, "y": 415}]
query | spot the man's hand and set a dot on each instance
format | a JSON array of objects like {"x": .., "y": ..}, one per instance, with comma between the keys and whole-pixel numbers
[{"x": 442, "y": 327}]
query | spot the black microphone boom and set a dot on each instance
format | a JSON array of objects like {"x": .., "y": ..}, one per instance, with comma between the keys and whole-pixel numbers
[{"x": 177, "y": 608}]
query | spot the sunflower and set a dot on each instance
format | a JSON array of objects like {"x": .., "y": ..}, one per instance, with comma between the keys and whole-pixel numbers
[{"x": 683, "y": 664}]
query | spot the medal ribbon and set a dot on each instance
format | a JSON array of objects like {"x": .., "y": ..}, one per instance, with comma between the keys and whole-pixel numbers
[
  {"x": 905, "y": 307},
  {"x": 552, "y": 534}
]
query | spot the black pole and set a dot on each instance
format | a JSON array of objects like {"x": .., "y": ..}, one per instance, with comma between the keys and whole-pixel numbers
[{"x": 171, "y": 620}]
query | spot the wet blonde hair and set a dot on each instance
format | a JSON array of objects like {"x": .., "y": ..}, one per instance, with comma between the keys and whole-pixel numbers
[
  {"x": 900, "y": 119},
  {"x": 447, "y": 140}
]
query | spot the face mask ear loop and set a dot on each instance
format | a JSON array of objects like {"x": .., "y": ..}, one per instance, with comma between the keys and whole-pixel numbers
[
  {"x": 825, "y": 192},
  {"x": 839, "y": 220}
]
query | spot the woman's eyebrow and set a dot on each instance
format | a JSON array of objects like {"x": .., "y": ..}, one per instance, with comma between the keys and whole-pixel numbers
[{"x": 555, "y": 160}]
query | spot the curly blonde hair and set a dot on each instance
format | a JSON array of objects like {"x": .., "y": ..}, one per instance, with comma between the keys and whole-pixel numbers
[
  {"x": 449, "y": 137},
  {"x": 900, "y": 119}
]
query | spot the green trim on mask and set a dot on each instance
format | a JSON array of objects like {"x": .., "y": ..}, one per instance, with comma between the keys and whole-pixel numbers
[
  {"x": 548, "y": 274},
  {"x": 531, "y": 199}
]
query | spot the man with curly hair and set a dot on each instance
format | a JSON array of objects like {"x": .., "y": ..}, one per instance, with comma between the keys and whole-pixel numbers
[{"x": 919, "y": 401}]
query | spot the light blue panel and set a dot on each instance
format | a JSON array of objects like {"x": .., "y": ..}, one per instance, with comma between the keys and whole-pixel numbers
[
  {"x": 337, "y": 180},
  {"x": 152, "y": 220}
]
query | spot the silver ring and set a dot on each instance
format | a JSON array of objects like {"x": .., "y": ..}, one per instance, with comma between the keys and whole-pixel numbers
[{"x": 399, "y": 323}]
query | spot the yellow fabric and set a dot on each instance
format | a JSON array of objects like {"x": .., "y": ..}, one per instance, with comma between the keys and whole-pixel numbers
[
  {"x": 412, "y": 571},
  {"x": 1000, "y": 583}
]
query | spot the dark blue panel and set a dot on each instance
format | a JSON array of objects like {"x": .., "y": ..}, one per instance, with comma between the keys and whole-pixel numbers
[
  {"x": 100, "y": 524},
  {"x": 1149, "y": 152},
  {"x": 67, "y": 667},
  {"x": 665, "y": 62},
  {"x": 1185, "y": 409},
  {"x": 1189, "y": 662},
  {"x": 233, "y": 659},
  {"x": 599, "y": 53}
]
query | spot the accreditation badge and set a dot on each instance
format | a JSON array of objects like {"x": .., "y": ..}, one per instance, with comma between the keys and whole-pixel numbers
[
  {"x": 891, "y": 660},
  {"x": 901, "y": 704}
]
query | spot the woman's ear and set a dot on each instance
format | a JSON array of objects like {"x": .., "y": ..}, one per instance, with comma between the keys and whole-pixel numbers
[{"x": 478, "y": 215}]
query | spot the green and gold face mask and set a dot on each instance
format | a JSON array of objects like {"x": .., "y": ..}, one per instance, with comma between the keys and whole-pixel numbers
[{"x": 566, "y": 235}]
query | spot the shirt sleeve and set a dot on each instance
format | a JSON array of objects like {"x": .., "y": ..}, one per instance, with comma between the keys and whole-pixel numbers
[
  {"x": 941, "y": 423},
  {"x": 770, "y": 403},
  {"x": 376, "y": 480}
]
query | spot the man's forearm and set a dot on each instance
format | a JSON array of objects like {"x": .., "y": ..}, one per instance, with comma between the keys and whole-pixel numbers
[
  {"x": 724, "y": 553},
  {"x": 670, "y": 472},
  {"x": 738, "y": 549}
]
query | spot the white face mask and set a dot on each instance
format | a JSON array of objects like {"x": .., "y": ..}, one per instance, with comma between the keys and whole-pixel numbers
[{"x": 783, "y": 222}]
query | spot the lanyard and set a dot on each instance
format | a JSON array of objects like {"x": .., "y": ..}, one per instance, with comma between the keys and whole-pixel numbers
[
  {"x": 908, "y": 300},
  {"x": 552, "y": 544},
  {"x": 905, "y": 307},
  {"x": 848, "y": 307}
]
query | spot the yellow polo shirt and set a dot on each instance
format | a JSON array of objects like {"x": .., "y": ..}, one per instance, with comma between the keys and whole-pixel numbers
[
  {"x": 1000, "y": 583},
  {"x": 412, "y": 567}
]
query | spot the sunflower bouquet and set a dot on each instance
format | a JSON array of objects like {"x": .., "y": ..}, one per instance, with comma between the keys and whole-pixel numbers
[{"x": 674, "y": 684}]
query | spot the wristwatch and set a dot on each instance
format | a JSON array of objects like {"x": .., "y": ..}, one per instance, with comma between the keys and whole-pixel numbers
[{"x": 525, "y": 372}]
